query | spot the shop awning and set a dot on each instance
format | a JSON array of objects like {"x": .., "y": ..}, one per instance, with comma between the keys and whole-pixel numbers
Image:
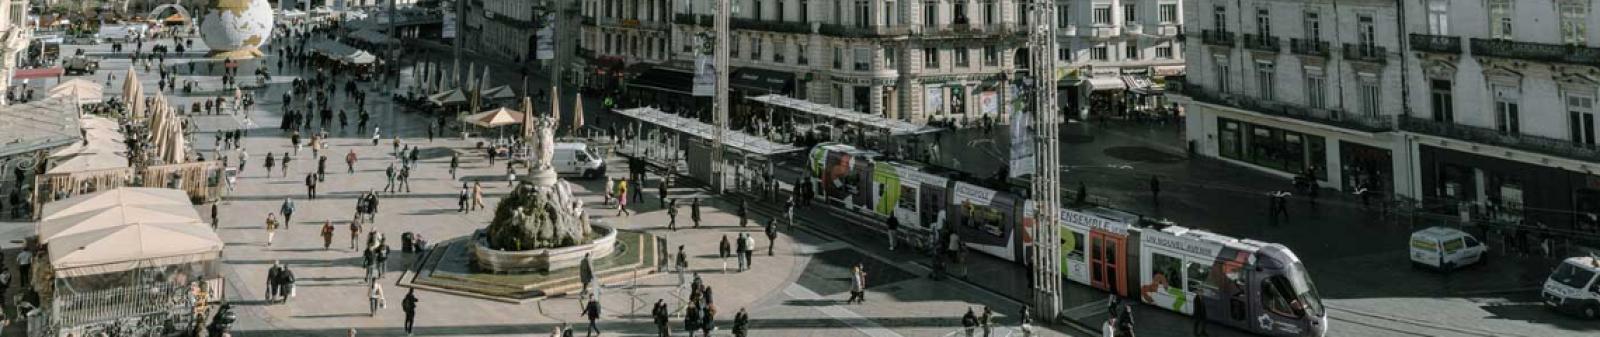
[
  {"x": 33, "y": 73},
  {"x": 663, "y": 79},
  {"x": 895, "y": 126},
  {"x": 1140, "y": 84},
  {"x": 761, "y": 81},
  {"x": 1106, "y": 83}
]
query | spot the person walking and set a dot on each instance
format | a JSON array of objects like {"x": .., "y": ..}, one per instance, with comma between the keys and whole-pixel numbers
[
  {"x": 661, "y": 190},
  {"x": 691, "y": 318},
  {"x": 409, "y": 305},
  {"x": 272, "y": 227},
  {"x": 369, "y": 263},
  {"x": 969, "y": 322},
  {"x": 723, "y": 250},
  {"x": 272, "y": 281},
  {"x": 741, "y": 323},
  {"x": 355, "y": 232},
  {"x": 858, "y": 285},
  {"x": 284, "y": 166},
  {"x": 1025, "y": 321},
  {"x": 322, "y": 168},
  {"x": 682, "y": 266},
  {"x": 694, "y": 215},
  {"x": 788, "y": 211},
  {"x": 270, "y": 163},
  {"x": 350, "y": 162},
  {"x": 405, "y": 179},
  {"x": 455, "y": 163},
  {"x": 1199, "y": 327},
  {"x": 477, "y": 195},
  {"x": 772, "y": 235},
  {"x": 511, "y": 174},
  {"x": 622, "y": 203},
  {"x": 214, "y": 214},
  {"x": 311, "y": 186},
  {"x": 592, "y": 312},
  {"x": 327, "y": 234},
  {"x": 412, "y": 158},
  {"x": 288, "y": 212},
  {"x": 986, "y": 321},
  {"x": 743, "y": 213},
  {"x": 380, "y": 254},
  {"x": 374, "y": 298},
  {"x": 672, "y": 215},
  {"x": 1155, "y": 190},
  {"x": 286, "y": 284},
  {"x": 891, "y": 227},
  {"x": 461, "y": 200},
  {"x": 708, "y": 318},
  {"x": 389, "y": 173},
  {"x": 662, "y": 318}
]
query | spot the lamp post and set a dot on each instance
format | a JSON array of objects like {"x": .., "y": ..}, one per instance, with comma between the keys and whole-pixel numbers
[{"x": 1046, "y": 181}]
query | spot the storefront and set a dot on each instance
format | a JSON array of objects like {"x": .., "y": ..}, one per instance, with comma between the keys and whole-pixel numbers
[
  {"x": 665, "y": 89},
  {"x": 1281, "y": 150},
  {"x": 1366, "y": 167},
  {"x": 1492, "y": 189}
]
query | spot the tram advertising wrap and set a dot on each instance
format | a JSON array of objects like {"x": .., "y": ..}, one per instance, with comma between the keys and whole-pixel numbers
[
  {"x": 916, "y": 199},
  {"x": 1247, "y": 284},
  {"x": 985, "y": 217},
  {"x": 841, "y": 172}
]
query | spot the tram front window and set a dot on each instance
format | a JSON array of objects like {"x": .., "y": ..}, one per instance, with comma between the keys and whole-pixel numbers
[
  {"x": 1276, "y": 300},
  {"x": 1305, "y": 290}
]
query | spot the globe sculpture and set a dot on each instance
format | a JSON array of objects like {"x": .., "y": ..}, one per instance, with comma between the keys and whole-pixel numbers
[{"x": 236, "y": 29}]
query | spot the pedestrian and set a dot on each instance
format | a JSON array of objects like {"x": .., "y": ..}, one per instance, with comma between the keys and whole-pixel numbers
[
  {"x": 743, "y": 207},
  {"x": 682, "y": 267},
  {"x": 672, "y": 215},
  {"x": 327, "y": 234},
  {"x": 272, "y": 281},
  {"x": 405, "y": 179},
  {"x": 1025, "y": 320},
  {"x": 986, "y": 320},
  {"x": 891, "y": 227},
  {"x": 969, "y": 322},
  {"x": 723, "y": 250},
  {"x": 350, "y": 162},
  {"x": 1124, "y": 326},
  {"x": 409, "y": 305},
  {"x": 772, "y": 235},
  {"x": 788, "y": 211},
  {"x": 272, "y": 227},
  {"x": 374, "y": 298},
  {"x": 592, "y": 311},
  {"x": 622, "y": 203},
  {"x": 288, "y": 212},
  {"x": 322, "y": 168},
  {"x": 477, "y": 195},
  {"x": 369, "y": 263},
  {"x": 741, "y": 323},
  {"x": 511, "y": 174},
  {"x": 691, "y": 318},
  {"x": 311, "y": 186},
  {"x": 284, "y": 166},
  {"x": 355, "y": 232},
  {"x": 389, "y": 174},
  {"x": 455, "y": 162},
  {"x": 1155, "y": 190},
  {"x": 380, "y": 255},
  {"x": 461, "y": 201},
  {"x": 286, "y": 284},
  {"x": 611, "y": 189},
  {"x": 858, "y": 285},
  {"x": 662, "y": 318},
  {"x": 214, "y": 214},
  {"x": 413, "y": 157},
  {"x": 708, "y": 318},
  {"x": 662, "y": 191},
  {"x": 375, "y": 130},
  {"x": 1199, "y": 328},
  {"x": 270, "y": 163},
  {"x": 694, "y": 215}
]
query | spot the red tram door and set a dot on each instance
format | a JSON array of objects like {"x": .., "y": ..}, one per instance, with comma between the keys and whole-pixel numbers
[{"x": 1106, "y": 253}]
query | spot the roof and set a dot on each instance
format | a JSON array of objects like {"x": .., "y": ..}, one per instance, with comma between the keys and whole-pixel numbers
[
  {"x": 737, "y": 140},
  {"x": 1438, "y": 232},
  {"x": 123, "y": 229},
  {"x": 896, "y": 127},
  {"x": 1586, "y": 262},
  {"x": 37, "y": 125}
]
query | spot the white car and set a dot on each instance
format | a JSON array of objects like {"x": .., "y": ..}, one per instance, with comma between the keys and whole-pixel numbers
[
  {"x": 1575, "y": 287},
  {"x": 1446, "y": 248},
  {"x": 576, "y": 159}
]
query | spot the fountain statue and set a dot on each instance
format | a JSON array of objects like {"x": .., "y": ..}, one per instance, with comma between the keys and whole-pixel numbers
[{"x": 541, "y": 212}]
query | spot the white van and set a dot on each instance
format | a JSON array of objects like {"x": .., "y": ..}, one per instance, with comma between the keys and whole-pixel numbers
[
  {"x": 1575, "y": 287},
  {"x": 575, "y": 159},
  {"x": 1446, "y": 248}
]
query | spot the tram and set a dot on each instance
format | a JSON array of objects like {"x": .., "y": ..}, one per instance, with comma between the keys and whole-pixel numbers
[{"x": 1251, "y": 285}]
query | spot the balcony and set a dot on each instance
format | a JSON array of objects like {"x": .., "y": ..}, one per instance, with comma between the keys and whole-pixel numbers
[
  {"x": 1539, "y": 52},
  {"x": 1328, "y": 117},
  {"x": 951, "y": 30},
  {"x": 1132, "y": 28},
  {"x": 1308, "y": 47},
  {"x": 748, "y": 24},
  {"x": 1216, "y": 38},
  {"x": 1261, "y": 42},
  {"x": 1365, "y": 53},
  {"x": 1536, "y": 144},
  {"x": 1443, "y": 44}
]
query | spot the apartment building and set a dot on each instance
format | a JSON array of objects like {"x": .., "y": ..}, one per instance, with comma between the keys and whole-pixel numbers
[
  {"x": 1502, "y": 119},
  {"x": 503, "y": 28},
  {"x": 1112, "y": 48}
]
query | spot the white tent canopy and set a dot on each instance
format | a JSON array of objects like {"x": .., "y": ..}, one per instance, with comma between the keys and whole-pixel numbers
[
  {"x": 500, "y": 92},
  {"x": 80, "y": 90},
  {"x": 451, "y": 96},
  {"x": 89, "y": 162},
  {"x": 495, "y": 118},
  {"x": 123, "y": 229}
]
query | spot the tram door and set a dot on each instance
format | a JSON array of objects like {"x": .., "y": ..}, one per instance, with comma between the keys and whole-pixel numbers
[{"x": 1106, "y": 262}]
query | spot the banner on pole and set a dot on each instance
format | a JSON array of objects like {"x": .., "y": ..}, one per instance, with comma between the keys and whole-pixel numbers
[
  {"x": 1022, "y": 150},
  {"x": 547, "y": 38},
  {"x": 449, "y": 23}
]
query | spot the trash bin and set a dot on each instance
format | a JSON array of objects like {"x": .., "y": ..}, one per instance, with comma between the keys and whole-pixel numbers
[{"x": 406, "y": 242}]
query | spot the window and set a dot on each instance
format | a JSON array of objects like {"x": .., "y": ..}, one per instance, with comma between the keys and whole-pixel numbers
[
  {"x": 838, "y": 12},
  {"x": 1199, "y": 278},
  {"x": 1166, "y": 270},
  {"x": 1023, "y": 13},
  {"x": 1063, "y": 16},
  {"x": 1064, "y": 54},
  {"x": 961, "y": 56},
  {"x": 1219, "y": 18},
  {"x": 779, "y": 10},
  {"x": 1164, "y": 51},
  {"x": 805, "y": 11},
  {"x": 863, "y": 59},
  {"x": 1099, "y": 53},
  {"x": 777, "y": 55},
  {"x": 1230, "y": 143},
  {"x": 1439, "y": 17},
  {"x": 1131, "y": 51},
  {"x": 1507, "y": 118},
  {"x": 1130, "y": 13},
  {"x": 756, "y": 10},
  {"x": 1276, "y": 293},
  {"x": 1500, "y": 19},
  {"x": 991, "y": 56},
  {"x": 755, "y": 49},
  {"x": 838, "y": 58},
  {"x": 1169, "y": 13},
  {"x": 1102, "y": 15},
  {"x": 1573, "y": 27},
  {"x": 1442, "y": 101},
  {"x": 863, "y": 13},
  {"x": 1580, "y": 115},
  {"x": 989, "y": 15},
  {"x": 733, "y": 47},
  {"x": 1313, "y": 26},
  {"x": 1316, "y": 91},
  {"x": 1366, "y": 36},
  {"x": 930, "y": 14},
  {"x": 801, "y": 56},
  {"x": 891, "y": 57},
  {"x": 1370, "y": 96},
  {"x": 930, "y": 58},
  {"x": 958, "y": 10},
  {"x": 1264, "y": 80},
  {"x": 889, "y": 17},
  {"x": 1263, "y": 22},
  {"x": 1220, "y": 75}
]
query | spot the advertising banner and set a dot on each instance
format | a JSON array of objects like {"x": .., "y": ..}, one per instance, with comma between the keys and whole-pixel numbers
[
  {"x": 547, "y": 38},
  {"x": 933, "y": 101},
  {"x": 449, "y": 30},
  {"x": 705, "y": 76},
  {"x": 989, "y": 102}
]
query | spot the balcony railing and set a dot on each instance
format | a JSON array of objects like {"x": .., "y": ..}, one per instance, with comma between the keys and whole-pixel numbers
[
  {"x": 1216, "y": 38},
  {"x": 1365, "y": 52},
  {"x": 1309, "y": 47},
  {"x": 1261, "y": 42},
  {"x": 1444, "y": 44},
  {"x": 1541, "y": 52},
  {"x": 1530, "y": 143},
  {"x": 1329, "y": 117},
  {"x": 851, "y": 31},
  {"x": 748, "y": 24},
  {"x": 951, "y": 30}
]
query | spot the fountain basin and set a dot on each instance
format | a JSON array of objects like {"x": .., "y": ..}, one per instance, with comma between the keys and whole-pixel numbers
[{"x": 541, "y": 260}]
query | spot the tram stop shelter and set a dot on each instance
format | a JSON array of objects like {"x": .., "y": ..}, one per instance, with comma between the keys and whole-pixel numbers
[
  {"x": 129, "y": 256},
  {"x": 744, "y": 154},
  {"x": 864, "y": 122}
]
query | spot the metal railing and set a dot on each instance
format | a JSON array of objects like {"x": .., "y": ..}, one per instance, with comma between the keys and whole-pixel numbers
[
  {"x": 1262, "y": 42},
  {"x": 1329, "y": 117},
  {"x": 1216, "y": 37},
  {"x": 1436, "y": 43},
  {"x": 1525, "y": 142},
  {"x": 1366, "y": 52},
  {"x": 1534, "y": 51},
  {"x": 73, "y": 309},
  {"x": 1309, "y": 47}
]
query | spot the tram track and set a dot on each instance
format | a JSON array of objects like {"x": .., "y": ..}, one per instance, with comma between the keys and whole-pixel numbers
[{"x": 1409, "y": 322}]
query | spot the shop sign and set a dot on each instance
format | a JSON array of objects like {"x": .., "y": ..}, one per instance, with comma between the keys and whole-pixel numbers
[
  {"x": 1135, "y": 71},
  {"x": 630, "y": 23},
  {"x": 1172, "y": 70},
  {"x": 1104, "y": 72}
]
